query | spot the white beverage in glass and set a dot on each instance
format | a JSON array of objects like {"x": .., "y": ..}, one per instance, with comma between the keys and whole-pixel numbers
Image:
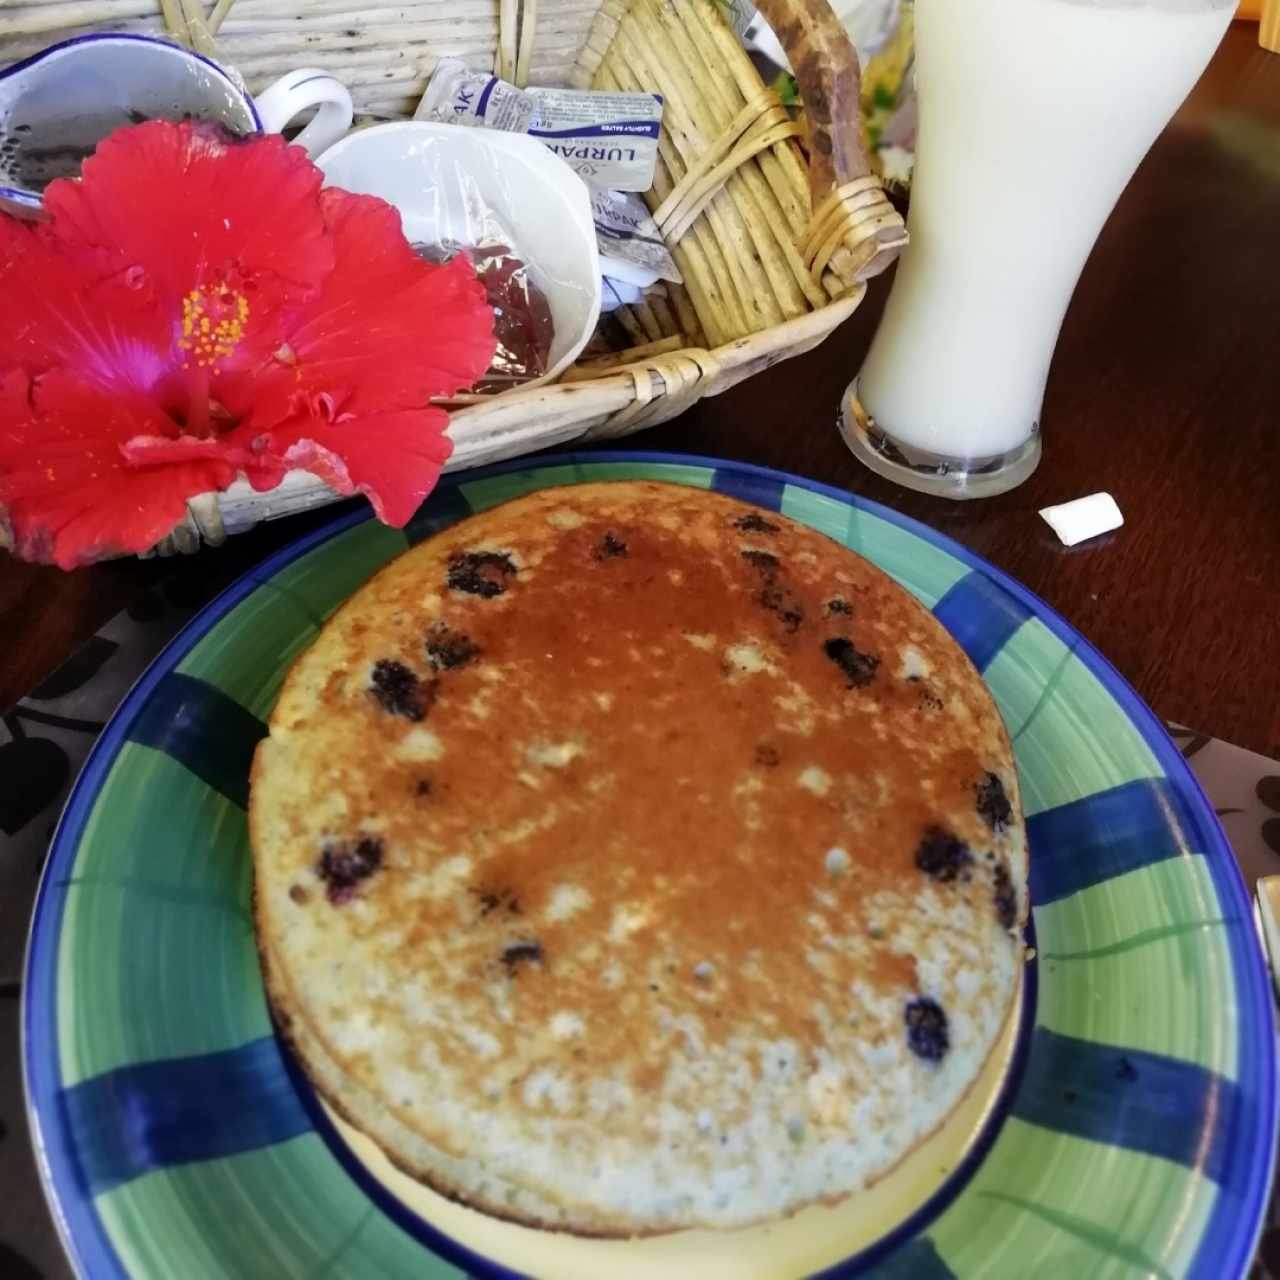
[{"x": 1033, "y": 116}]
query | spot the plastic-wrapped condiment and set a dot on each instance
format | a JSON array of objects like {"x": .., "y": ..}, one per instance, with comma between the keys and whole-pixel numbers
[
  {"x": 609, "y": 140},
  {"x": 522, "y": 320}
]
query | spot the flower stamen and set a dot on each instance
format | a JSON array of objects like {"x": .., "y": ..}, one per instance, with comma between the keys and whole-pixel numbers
[{"x": 213, "y": 322}]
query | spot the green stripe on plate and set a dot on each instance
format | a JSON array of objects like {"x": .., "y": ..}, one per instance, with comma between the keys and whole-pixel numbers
[
  {"x": 695, "y": 477},
  {"x": 1071, "y": 739},
  {"x": 160, "y": 892},
  {"x": 71, "y": 1000},
  {"x": 288, "y": 1210},
  {"x": 926, "y": 571},
  {"x": 385, "y": 1250},
  {"x": 1138, "y": 961},
  {"x": 249, "y": 652},
  {"x": 1024, "y": 674},
  {"x": 1058, "y": 1207},
  {"x": 490, "y": 491},
  {"x": 837, "y": 520},
  {"x": 321, "y": 580}
]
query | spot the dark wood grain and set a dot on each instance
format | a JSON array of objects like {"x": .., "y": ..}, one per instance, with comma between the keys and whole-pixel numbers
[{"x": 1165, "y": 390}]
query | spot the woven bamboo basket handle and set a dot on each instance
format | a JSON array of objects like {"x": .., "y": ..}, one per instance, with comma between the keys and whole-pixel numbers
[{"x": 825, "y": 65}]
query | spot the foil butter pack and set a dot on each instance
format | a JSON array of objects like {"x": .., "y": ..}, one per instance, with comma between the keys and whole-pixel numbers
[
  {"x": 630, "y": 244},
  {"x": 609, "y": 139}
]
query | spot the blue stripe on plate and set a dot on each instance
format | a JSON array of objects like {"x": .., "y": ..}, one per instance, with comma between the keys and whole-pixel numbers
[
  {"x": 1106, "y": 835},
  {"x": 203, "y": 729},
  {"x": 761, "y": 488},
  {"x": 1137, "y": 1100},
  {"x": 444, "y": 507},
  {"x": 172, "y": 1111},
  {"x": 915, "y": 1260},
  {"x": 981, "y": 615}
]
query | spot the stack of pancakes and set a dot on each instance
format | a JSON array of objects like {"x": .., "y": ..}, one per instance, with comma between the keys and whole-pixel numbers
[{"x": 630, "y": 859}]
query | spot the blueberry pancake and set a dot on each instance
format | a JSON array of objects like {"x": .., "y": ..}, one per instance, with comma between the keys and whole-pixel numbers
[{"x": 630, "y": 859}]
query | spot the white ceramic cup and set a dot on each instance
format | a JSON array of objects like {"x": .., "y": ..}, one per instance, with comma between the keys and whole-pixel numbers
[
  {"x": 442, "y": 177},
  {"x": 56, "y": 106}
]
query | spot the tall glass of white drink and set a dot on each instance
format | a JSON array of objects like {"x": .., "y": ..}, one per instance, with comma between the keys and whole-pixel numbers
[{"x": 1033, "y": 116}]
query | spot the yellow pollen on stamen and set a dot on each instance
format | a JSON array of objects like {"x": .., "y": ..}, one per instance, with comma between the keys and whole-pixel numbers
[{"x": 212, "y": 324}]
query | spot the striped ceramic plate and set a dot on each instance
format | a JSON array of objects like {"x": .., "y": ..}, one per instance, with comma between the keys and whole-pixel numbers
[{"x": 1133, "y": 1135}]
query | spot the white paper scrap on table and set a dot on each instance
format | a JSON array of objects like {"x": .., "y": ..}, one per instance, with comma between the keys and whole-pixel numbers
[{"x": 1084, "y": 518}]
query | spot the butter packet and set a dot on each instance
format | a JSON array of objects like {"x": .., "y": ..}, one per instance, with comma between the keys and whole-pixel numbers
[
  {"x": 457, "y": 95},
  {"x": 631, "y": 246},
  {"x": 609, "y": 139}
]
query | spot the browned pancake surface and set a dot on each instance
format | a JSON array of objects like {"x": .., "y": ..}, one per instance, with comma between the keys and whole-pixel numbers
[{"x": 663, "y": 830}]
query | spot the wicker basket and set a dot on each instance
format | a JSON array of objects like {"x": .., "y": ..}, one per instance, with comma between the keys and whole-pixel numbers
[{"x": 774, "y": 249}]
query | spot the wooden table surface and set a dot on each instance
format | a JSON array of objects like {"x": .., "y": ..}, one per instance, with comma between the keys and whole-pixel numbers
[{"x": 1165, "y": 390}]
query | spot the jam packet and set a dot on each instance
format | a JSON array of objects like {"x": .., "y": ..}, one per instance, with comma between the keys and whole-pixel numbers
[
  {"x": 609, "y": 139},
  {"x": 522, "y": 321}
]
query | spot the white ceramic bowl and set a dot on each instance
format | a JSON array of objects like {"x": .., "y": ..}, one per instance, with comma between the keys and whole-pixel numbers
[{"x": 440, "y": 175}]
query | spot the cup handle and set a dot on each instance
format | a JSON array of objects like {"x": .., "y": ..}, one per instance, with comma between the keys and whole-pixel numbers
[{"x": 295, "y": 92}]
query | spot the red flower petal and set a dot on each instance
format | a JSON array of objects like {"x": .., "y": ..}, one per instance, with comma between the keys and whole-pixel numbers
[
  {"x": 393, "y": 458},
  {"x": 70, "y": 495},
  {"x": 187, "y": 203},
  {"x": 58, "y": 312},
  {"x": 187, "y": 284},
  {"x": 158, "y": 451},
  {"x": 387, "y": 331}
]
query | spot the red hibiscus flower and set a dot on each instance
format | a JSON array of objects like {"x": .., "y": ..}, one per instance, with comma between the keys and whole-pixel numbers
[{"x": 196, "y": 308}]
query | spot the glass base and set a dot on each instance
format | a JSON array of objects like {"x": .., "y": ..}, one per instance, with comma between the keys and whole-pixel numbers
[{"x": 957, "y": 478}]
